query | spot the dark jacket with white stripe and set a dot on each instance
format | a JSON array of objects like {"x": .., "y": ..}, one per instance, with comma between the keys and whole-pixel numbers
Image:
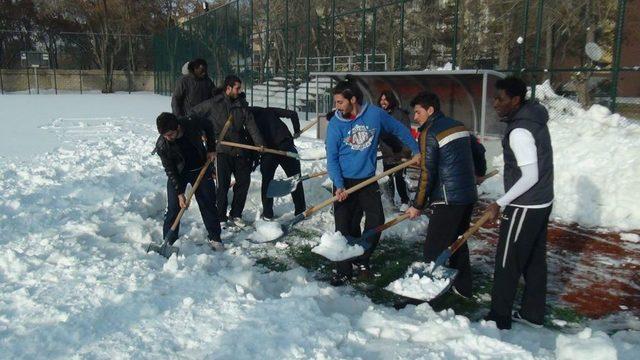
[{"x": 446, "y": 168}]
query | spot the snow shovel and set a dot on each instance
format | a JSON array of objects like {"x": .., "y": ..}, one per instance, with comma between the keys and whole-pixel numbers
[
  {"x": 439, "y": 272},
  {"x": 166, "y": 249},
  {"x": 286, "y": 227},
  {"x": 262, "y": 149},
  {"x": 284, "y": 187}
]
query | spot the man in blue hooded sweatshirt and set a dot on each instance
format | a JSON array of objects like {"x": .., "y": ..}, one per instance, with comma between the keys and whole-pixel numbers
[{"x": 352, "y": 144}]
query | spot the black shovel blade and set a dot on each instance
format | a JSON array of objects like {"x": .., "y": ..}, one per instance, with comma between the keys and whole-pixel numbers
[
  {"x": 165, "y": 249},
  {"x": 282, "y": 187}
]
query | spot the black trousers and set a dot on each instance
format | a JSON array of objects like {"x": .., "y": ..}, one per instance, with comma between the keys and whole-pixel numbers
[
  {"x": 240, "y": 168},
  {"x": 522, "y": 251},
  {"x": 396, "y": 182},
  {"x": 268, "y": 166},
  {"x": 205, "y": 196},
  {"x": 348, "y": 214},
  {"x": 446, "y": 224}
]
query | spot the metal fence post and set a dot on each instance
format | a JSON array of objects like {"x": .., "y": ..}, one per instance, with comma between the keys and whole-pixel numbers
[
  {"x": 80, "y": 80},
  {"x": 268, "y": 48},
  {"x": 523, "y": 46},
  {"x": 536, "y": 52},
  {"x": 306, "y": 108},
  {"x": 454, "y": 49},
  {"x": 615, "y": 74},
  {"x": 28, "y": 81},
  {"x": 400, "y": 66},
  {"x": 362, "y": 31},
  {"x": 1, "y": 82}
]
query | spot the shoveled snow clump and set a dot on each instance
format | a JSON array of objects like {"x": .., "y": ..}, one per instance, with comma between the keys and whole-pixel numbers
[
  {"x": 266, "y": 231},
  {"x": 414, "y": 286},
  {"x": 334, "y": 247}
]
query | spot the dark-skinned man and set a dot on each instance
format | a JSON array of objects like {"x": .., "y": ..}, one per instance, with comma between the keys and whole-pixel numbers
[
  {"x": 526, "y": 206},
  {"x": 192, "y": 89}
]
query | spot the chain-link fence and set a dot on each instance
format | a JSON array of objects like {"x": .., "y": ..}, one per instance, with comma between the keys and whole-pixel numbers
[
  {"x": 588, "y": 50},
  {"x": 75, "y": 62}
]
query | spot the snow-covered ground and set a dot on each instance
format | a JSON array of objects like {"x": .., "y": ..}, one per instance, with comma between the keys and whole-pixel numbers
[{"x": 81, "y": 195}]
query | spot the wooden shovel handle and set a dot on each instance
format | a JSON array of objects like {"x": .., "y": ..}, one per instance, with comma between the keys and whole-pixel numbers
[
  {"x": 391, "y": 223},
  {"x": 314, "y": 175},
  {"x": 472, "y": 230},
  {"x": 260, "y": 149},
  {"x": 309, "y": 126},
  {"x": 225, "y": 128},
  {"x": 190, "y": 195},
  {"x": 358, "y": 187}
]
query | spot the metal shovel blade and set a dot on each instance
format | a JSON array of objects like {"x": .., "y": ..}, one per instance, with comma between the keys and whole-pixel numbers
[
  {"x": 441, "y": 273},
  {"x": 165, "y": 249},
  {"x": 282, "y": 187}
]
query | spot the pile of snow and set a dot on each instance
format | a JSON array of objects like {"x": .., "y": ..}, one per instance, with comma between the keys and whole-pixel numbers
[
  {"x": 414, "y": 286},
  {"x": 585, "y": 345},
  {"x": 596, "y": 158},
  {"x": 335, "y": 247},
  {"x": 266, "y": 231}
]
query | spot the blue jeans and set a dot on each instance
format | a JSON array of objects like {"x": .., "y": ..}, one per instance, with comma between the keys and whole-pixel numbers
[{"x": 205, "y": 196}]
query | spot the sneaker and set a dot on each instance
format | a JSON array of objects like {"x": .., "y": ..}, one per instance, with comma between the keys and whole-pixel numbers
[
  {"x": 216, "y": 245},
  {"x": 264, "y": 218},
  {"x": 223, "y": 225},
  {"x": 238, "y": 222},
  {"x": 338, "y": 280},
  {"x": 517, "y": 317},
  {"x": 404, "y": 207},
  {"x": 455, "y": 291}
]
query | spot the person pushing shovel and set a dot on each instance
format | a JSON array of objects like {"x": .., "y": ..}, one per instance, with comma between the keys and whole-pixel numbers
[
  {"x": 183, "y": 155},
  {"x": 447, "y": 185},
  {"x": 351, "y": 145}
]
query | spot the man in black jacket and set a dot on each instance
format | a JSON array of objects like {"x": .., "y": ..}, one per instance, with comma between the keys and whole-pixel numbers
[
  {"x": 231, "y": 160},
  {"x": 527, "y": 203},
  {"x": 183, "y": 154},
  {"x": 276, "y": 135},
  {"x": 447, "y": 185},
  {"x": 192, "y": 88}
]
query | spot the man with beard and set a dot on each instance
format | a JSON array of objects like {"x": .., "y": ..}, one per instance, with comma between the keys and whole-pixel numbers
[
  {"x": 234, "y": 161},
  {"x": 352, "y": 144}
]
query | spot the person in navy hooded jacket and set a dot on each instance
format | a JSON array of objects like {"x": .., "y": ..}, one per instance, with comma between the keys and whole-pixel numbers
[{"x": 352, "y": 145}]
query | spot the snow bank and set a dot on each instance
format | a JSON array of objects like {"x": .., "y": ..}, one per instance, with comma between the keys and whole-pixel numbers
[
  {"x": 335, "y": 247},
  {"x": 596, "y": 164},
  {"x": 414, "y": 286}
]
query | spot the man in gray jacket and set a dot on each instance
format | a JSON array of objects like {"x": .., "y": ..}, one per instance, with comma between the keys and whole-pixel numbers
[
  {"x": 526, "y": 206},
  {"x": 228, "y": 101},
  {"x": 192, "y": 88}
]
